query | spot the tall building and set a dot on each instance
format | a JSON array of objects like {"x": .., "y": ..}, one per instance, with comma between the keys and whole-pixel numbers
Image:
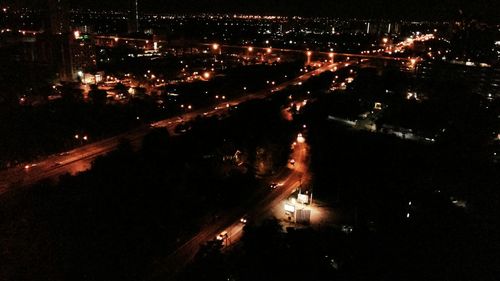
[
  {"x": 133, "y": 17},
  {"x": 382, "y": 27},
  {"x": 58, "y": 38},
  {"x": 65, "y": 57},
  {"x": 83, "y": 55},
  {"x": 58, "y": 17}
]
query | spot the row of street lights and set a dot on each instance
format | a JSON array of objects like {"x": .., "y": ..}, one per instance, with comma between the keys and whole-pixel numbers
[{"x": 309, "y": 53}]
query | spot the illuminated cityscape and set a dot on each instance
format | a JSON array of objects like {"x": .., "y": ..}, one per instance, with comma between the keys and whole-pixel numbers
[{"x": 257, "y": 140}]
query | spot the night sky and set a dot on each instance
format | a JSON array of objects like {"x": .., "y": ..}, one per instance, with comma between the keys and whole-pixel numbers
[{"x": 403, "y": 9}]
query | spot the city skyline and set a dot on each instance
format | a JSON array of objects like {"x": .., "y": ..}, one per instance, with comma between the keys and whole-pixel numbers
[
  {"x": 231, "y": 140},
  {"x": 405, "y": 9}
]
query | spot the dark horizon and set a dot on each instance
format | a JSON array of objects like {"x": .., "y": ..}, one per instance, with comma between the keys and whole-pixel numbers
[{"x": 405, "y": 9}]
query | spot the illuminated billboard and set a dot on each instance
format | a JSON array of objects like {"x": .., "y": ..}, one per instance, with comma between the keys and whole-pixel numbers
[
  {"x": 289, "y": 208},
  {"x": 303, "y": 198}
]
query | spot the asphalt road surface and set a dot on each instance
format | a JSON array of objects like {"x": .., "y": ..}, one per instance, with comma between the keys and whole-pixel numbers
[
  {"x": 80, "y": 159},
  {"x": 255, "y": 209}
]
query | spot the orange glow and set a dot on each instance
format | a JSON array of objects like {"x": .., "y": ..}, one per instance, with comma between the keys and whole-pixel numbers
[
  {"x": 330, "y": 55},
  {"x": 309, "y": 53},
  {"x": 250, "y": 49},
  {"x": 269, "y": 50},
  {"x": 215, "y": 46}
]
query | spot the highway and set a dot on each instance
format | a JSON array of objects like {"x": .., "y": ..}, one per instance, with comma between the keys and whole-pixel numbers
[
  {"x": 263, "y": 49},
  {"x": 325, "y": 54},
  {"x": 255, "y": 209},
  {"x": 80, "y": 159}
]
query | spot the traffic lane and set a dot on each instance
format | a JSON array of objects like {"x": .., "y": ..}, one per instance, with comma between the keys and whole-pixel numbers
[
  {"x": 255, "y": 208},
  {"x": 222, "y": 107},
  {"x": 64, "y": 163},
  {"x": 289, "y": 183},
  {"x": 188, "y": 250},
  {"x": 17, "y": 174},
  {"x": 176, "y": 261}
]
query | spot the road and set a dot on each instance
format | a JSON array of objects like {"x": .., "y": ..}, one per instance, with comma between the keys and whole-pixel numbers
[
  {"x": 325, "y": 54},
  {"x": 80, "y": 159},
  {"x": 264, "y": 49},
  {"x": 255, "y": 209}
]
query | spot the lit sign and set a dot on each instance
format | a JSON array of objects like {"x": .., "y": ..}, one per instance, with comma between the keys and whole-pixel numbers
[
  {"x": 289, "y": 208},
  {"x": 303, "y": 198}
]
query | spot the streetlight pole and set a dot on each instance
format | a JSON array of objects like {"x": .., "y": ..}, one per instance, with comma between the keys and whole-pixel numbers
[
  {"x": 311, "y": 200},
  {"x": 217, "y": 50},
  {"x": 309, "y": 54}
]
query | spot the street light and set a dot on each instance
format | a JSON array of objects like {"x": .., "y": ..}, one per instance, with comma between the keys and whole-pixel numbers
[
  {"x": 309, "y": 54},
  {"x": 269, "y": 50},
  {"x": 217, "y": 50},
  {"x": 331, "y": 55},
  {"x": 250, "y": 49}
]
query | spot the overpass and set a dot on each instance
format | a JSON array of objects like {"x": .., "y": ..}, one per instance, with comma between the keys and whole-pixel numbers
[{"x": 250, "y": 49}]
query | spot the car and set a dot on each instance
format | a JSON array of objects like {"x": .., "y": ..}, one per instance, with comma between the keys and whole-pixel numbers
[
  {"x": 223, "y": 235},
  {"x": 244, "y": 219},
  {"x": 273, "y": 185},
  {"x": 28, "y": 166},
  {"x": 181, "y": 128},
  {"x": 347, "y": 229}
]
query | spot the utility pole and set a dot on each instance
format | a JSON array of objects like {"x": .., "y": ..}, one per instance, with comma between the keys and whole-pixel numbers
[{"x": 311, "y": 198}]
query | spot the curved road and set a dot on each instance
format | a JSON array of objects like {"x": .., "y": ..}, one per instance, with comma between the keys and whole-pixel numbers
[{"x": 256, "y": 208}]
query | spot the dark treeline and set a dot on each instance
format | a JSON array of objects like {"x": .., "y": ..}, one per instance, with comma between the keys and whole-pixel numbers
[
  {"x": 34, "y": 131},
  {"x": 418, "y": 210},
  {"x": 133, "y": 207}
]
